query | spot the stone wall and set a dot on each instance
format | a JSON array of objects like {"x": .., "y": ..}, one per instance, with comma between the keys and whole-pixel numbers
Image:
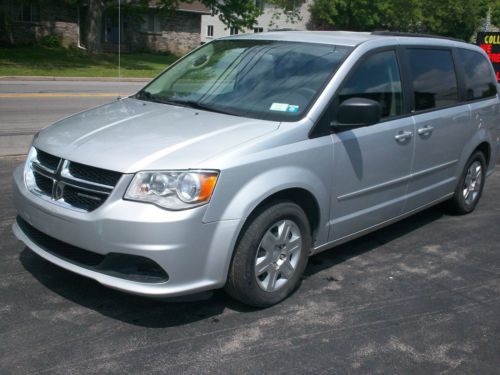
[
  {"x": 61, "y": 22},
  {"x": 178, "y": 34},
  {"x": 32, "y": 33}
]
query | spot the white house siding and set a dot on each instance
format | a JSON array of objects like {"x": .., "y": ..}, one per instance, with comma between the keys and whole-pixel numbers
[{"x": 263, "y": 21}]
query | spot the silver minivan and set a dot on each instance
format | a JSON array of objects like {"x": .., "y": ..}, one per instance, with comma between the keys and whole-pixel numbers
[{"x": 255, "y": 151}]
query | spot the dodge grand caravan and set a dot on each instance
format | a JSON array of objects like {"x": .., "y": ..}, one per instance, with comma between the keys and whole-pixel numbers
[{"x": 255, "y": 151}]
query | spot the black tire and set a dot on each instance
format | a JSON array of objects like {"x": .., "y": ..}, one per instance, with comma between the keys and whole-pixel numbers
[
  {"x": 458, "y": 203},
  {"x": 242, "y": 283}
]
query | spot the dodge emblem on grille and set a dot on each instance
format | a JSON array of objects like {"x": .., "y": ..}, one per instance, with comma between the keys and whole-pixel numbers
[
  {"x": 58, "y": 191},
  {"x": 70, "y": 184}
]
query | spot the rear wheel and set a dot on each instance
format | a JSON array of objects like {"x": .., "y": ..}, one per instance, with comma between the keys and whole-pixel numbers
[
  {"x": 271, "y": 256},
  {"x": 470, "y": 185}
]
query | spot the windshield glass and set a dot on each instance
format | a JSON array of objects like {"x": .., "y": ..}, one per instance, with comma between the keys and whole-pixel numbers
[{"x": 264, "y": 79}]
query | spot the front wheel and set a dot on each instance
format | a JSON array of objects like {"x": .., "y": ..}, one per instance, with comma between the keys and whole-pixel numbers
[
  {"x": 270, "y": 256},
  {"x": 470, "y": 186}
]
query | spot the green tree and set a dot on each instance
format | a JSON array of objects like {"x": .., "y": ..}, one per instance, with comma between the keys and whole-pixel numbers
[
  {"x": 454, "y": 18},
  {"x": 360, "y": 15},
  {"x": 401, "y": 15},
  {"x": 495, "y": 12}
]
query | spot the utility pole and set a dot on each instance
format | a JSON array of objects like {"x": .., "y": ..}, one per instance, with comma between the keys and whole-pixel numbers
[{"x": 119, "y": 39}]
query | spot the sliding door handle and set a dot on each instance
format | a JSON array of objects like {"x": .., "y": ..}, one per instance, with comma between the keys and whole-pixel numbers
[{"x": 426, "y": 130}]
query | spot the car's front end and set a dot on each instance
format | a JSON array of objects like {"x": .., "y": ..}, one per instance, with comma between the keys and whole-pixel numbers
[
  {"x": 77, "y": 217},
  {"x": 149, "y": 194}
]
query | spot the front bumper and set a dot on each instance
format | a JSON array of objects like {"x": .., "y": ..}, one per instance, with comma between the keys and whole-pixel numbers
[{"x": 194, "y": 254}]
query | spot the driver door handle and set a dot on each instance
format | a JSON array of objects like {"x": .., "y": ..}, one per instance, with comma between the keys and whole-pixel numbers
[{"x": 403, "y": 136}]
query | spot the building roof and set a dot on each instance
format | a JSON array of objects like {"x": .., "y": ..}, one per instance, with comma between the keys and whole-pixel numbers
[{"x": 192, "y": 7}]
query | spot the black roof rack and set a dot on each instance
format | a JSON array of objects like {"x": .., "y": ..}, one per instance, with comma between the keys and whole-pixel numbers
[
  {"x": 414, "y": 35},
  {"x": 283, "y": 29}
]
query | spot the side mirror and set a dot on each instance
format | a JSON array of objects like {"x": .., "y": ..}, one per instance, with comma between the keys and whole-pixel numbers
[{"x": 356, "y": 112}]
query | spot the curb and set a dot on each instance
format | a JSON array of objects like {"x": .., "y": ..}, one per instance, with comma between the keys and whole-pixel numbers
[{"x": 50, "y": 78}]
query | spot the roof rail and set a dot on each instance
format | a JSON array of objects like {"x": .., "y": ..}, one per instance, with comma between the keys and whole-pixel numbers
[
  {"x": 414, "y": 35},
  {"x": 283, "y": 29}
]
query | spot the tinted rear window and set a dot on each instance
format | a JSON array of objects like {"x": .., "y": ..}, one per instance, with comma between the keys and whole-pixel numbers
[
  {"x": 479, "y": 79},
  {"x": 434, "y": 78}
]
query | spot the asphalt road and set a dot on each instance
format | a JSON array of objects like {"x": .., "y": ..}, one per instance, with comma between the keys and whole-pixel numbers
[
  {"x": 420, "y": 296},
  {"x": 28, "y": 106}
]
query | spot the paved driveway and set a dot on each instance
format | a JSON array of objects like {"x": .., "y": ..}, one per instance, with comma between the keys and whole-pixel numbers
[{"x": 422, "y": 295}]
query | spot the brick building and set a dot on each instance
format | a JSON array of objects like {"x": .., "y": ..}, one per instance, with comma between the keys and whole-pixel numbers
[
  {"x": 270, "y": 19},
  {"x": 152, "y": 30}
]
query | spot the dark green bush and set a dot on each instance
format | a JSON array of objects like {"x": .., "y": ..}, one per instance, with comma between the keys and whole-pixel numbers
[{"x": 51, "y": 40}]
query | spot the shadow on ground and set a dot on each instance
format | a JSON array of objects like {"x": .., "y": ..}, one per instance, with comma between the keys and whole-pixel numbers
[{"x": 154, "y": 313}]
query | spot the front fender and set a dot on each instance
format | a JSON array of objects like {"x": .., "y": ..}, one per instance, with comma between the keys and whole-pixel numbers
[{"x": 242, "y": 187}]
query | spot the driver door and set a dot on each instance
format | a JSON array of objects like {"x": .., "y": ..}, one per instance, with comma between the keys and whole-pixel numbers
[{"x": 372, "y": 164}]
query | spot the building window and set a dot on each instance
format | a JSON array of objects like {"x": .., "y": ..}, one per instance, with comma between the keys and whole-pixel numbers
[
  {"x": 259, "y": 4},
  {"x": 26, "y": 13},
  {"x": 150, "y": 23},
  {"x": 233, "y": 31},
  {"x": 210, "y": 30},
  {"x": 258, "y": 30}
]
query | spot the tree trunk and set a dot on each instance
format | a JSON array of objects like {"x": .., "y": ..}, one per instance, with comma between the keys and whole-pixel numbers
[
  {"x": 6, "y": 24},
  {"x": 94, "y": 29}
]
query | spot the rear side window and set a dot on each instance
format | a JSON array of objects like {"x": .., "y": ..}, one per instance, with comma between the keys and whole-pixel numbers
[
  {"x": 377, "y": 78},
  {"x": 479, "y": 80},
  {"x": 434, "y": 78}
]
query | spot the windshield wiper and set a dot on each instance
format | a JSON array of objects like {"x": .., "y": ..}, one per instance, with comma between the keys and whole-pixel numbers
[
  {"x": 196, "y": 105},
  {"x": 144, "y": 95}
]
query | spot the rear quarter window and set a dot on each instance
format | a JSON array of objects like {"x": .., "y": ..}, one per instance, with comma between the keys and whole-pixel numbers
[{"x": 479, "y": 79}]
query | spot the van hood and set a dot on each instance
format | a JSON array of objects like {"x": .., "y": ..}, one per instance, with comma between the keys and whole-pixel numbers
[{"x": 130, "y": 135}]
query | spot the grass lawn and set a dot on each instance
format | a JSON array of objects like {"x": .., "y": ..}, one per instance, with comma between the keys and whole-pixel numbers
[{"x": 45, "y": 61}]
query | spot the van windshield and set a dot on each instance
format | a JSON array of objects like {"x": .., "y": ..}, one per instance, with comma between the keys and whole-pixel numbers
[{"x": 272, "y": 80}]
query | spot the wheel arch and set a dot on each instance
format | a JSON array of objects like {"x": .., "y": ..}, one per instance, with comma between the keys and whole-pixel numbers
[
  {"x": 300, "y": 196},
  {"x": 485, "y": 148},
  {"x": 243, "y": 195},
  {"x": 481, "y": 141}
]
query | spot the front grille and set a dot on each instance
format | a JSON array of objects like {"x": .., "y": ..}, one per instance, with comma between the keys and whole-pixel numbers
[
  {"x": 83, "y": 199},
  {"x": 92, "y": 174},
  {"x": 125, "y": 266},
  {"x": 44, "y": 183},
  {"x": 72, "y": 184},
  {"x": 47, "y": 160}
]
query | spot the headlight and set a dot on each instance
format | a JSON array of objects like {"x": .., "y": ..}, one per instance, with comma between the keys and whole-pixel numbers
[
  {"x": 173, "y": 190},
  {"x": 29, "y": 177}
]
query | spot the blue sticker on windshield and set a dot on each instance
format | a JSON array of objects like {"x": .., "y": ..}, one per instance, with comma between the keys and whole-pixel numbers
[{"x": 293, "y": 108}]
